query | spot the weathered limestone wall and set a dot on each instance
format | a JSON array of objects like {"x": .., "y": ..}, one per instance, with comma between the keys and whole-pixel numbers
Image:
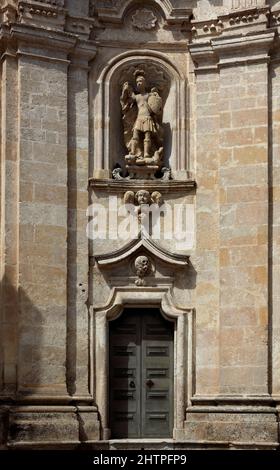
[
  {"x": 207, "y": 233},
  {"x": 43, "y": 223},
  {"x": 244, "y": 229},
  {"x": 78, "y": 325},
  {"x": 232, "y": 229}
]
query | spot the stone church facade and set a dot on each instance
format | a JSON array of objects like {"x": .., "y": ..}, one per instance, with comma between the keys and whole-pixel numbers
[{"x": 139, "y": 341}]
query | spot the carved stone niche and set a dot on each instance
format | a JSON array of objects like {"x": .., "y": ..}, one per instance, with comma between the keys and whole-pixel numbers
[
  {"x": 109, "y": 142},
  {"x": 142, "y": 275}
]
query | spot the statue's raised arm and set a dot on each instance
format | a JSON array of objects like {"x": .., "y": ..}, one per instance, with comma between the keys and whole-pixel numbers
[{"x": 129, "y": 112}]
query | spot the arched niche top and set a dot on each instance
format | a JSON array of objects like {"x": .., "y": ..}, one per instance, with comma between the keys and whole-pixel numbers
[
  {"x": 109, "y": 148},
  {"x": 130, "y": 57},
  {"x": 173, "y": 11}
]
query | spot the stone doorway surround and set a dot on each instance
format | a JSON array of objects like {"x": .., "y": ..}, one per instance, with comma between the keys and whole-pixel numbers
[{"x": 160, "y": 296}]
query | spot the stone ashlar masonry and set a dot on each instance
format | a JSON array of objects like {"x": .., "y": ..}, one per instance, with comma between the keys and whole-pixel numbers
[{"x": 54, "y": 55}]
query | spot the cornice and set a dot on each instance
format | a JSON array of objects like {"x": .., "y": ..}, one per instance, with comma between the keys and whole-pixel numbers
[
  {"x": 253, "y": 47},
  {"x": 230, "y": 400},
  {"x": 238, "y": 22},
  {"x": 39, "y": 43},
  {"x": 49, "y": 14},
  {"x": 225, "y": 51},
  {"x": 81, "y": 26},
  {"x": 153, "y": 45},
  {"x": 120, "y": 186},
  {"x": 84, "y": 52},
  {"x": 58, "y": 40},
  {"x": 204, "y": 57}
]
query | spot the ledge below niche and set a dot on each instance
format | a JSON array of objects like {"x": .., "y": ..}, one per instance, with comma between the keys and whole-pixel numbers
[{"x": 124, "y": 185}]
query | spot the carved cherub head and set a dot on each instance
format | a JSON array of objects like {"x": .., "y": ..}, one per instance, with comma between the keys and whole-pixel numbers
[
  {"x": 156, "y": 198},
  {"x": 129, "y": 197},
  {"x": 143, "y": 197}
]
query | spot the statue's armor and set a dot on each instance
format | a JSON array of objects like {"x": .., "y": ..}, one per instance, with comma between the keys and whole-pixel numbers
[{"x": 144, "y": 121}]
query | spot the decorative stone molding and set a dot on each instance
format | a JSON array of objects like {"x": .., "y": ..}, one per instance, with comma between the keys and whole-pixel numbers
[
  {"x": 227, "y": 50},
  {"x": 205, "y": 60},
  {"x": 57, "y": 3},
  {"x": 231, "y": 400},
  {"x": 162, "y": 298},
  {"x": 113, "y": 11},
  {"x": 144, "y": 19},
  {"x": 132, "y": 247},
  {"x": 58, "y": 48},
  {"x": 44, "y": 425},
  {"x": 206, "y": 28},
  {"x": 120, "y": 186},
  {"x": 48, "y": 14},
  {"x": 252, "y": 19},
  {"x": 138, "y": 173},
  {"x": 59, "y": 45},
  {"x": 245, "y": 49},
  {"x": 80, "y": 26}
]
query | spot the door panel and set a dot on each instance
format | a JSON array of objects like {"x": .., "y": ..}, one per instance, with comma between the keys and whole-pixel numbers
[
  {"x": 157, "y": 376},
  {"x": 124, "y": 377},
  {"x": 141, "y": 375}
]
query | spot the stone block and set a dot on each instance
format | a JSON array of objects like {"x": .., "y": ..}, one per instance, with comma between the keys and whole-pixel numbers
[
  {"x": 33, "y": 426},
  {"x": 243, "y": 428},
  {"x": 234, "y": 137},
  {"x": 250, "y": 155}
]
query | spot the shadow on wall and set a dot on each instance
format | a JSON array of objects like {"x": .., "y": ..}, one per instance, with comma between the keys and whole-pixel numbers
[
  {"x": 21, "y": 330},
  {"x": 32, "y": 342},
  {"x": 32, "y": 359}
]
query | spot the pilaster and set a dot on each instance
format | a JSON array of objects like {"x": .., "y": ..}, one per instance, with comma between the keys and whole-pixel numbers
[{"x": 78, "y": 316}]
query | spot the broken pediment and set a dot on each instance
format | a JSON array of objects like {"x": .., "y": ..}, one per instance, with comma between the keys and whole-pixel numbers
[
  {"x": 141, "y": 263},
  {"x": 132, "y": 247}
]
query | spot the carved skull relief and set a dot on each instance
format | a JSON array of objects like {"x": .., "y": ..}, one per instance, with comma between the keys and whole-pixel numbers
[{"x": 142, "y": 266}]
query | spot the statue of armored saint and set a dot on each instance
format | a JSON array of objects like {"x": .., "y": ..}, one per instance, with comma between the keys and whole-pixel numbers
[{"x": 142, "y": 122}]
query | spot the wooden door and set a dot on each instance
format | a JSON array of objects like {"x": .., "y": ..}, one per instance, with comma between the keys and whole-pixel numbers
[{"x": 141, "y": 375}]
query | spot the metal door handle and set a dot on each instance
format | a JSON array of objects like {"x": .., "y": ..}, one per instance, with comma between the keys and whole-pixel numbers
[
  {"x": 132, "y": 384},
  {"x": 149, "y": 383}
]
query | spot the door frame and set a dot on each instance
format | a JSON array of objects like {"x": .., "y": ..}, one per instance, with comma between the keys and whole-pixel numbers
[
  {"x": 142, "y": 297},
  {"x": 140, "y": 377}
]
